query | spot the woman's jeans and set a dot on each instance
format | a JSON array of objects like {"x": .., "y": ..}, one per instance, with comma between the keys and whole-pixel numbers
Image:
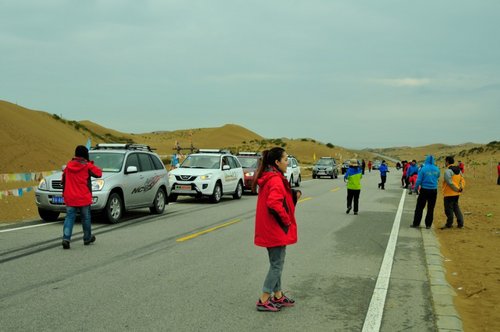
[
  {"x": 70, "y": 221},
  {"x": 276, "y": 261}
]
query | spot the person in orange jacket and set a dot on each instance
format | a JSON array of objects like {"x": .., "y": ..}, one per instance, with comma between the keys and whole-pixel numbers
[
  {"x": 275, "y": 225},
  {"x": 453, "y": 185}
]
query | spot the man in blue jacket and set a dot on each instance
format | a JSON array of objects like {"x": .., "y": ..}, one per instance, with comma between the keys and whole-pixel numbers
[
  {"x": 427, "y": 180},
  {"x": 383, "y": 175}
]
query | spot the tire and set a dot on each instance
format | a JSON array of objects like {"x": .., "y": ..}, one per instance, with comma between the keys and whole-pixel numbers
[
  {"x": 217, "y": 194},
  {"x": 291, "y": 181},
  {"x": 172, "y": 198},
  {"x": 48, "y": 215},
  {"x": 314, "y": 176},
  {"x": 159, "y": 202},
  {"x": 336, "y": 175},
  {"x": 239, "y": 191},
  {"x": 114, "y": 208},
  {"x": 297, "y": 184},
  {"x": 332, "y": 176}
]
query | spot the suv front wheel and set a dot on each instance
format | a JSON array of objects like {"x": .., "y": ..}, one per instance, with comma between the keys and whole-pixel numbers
[
  {"x": 217, "y": 194},
  {"x": 159, "y": 202},
  {"x": 48, "y": 215},
  {"x": 114, "y": 208}
]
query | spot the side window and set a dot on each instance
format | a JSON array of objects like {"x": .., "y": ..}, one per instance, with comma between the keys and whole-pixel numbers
[
  {"x": 294, "y": 162},
  {"x": 146, "y": 163},
  {"x": 156, "y": 162},
  {"x": 233, "y": 162},
  {"x": 133, "y": 161},
  {"x": 225, "y": 161}
]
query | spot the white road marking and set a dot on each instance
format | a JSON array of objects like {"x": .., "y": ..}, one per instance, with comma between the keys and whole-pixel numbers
[
  {"x": 375, "y": 312},
  {"x": 25, "y": 227}
]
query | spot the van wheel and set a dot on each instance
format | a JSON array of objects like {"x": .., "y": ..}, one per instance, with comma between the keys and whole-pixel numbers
[
  {"x": 114, "y": 208},
  {"x": 159, "y": 202},
  {"x": 48, "y": 215},
  {"x": 291, "y": 181},
  {"x": 239, "y": 191},
  {"x": 297, "y": 184},
  {"x": 217, "y": 194}
]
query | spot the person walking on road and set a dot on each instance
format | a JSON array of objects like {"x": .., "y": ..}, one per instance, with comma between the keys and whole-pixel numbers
[
  {"x": 77, "y": 194},
  {"x": 453, "y": 185},
  {"x": 353, "y": 177},
  {"x": 275, "y": 225},
  {"x": 383, "y": 174},
  {"x": 363, "y": 166},
  {"x": 498, "y": 171},
  {"x": 369, "y": 166},
  {"x": 427, "y": 181}
]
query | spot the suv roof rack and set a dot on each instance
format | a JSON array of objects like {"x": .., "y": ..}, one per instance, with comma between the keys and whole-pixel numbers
[
  {"x": 247, "y": 153},
  {"x": 224, "y": 151},
  {"x": 122, "y": 146}
]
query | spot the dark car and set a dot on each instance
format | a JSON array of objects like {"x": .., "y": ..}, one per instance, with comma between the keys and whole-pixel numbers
[
  {"x": 249, "y": 161},
  {"x": 326, "y": 166}
]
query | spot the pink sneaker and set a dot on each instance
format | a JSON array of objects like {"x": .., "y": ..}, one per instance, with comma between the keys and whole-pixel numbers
[
  {"x": 267, "y": 306},
  {"x": 283, "y": 301}
]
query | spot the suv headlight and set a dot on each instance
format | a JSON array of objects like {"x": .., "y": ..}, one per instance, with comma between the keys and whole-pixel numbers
[
  {"x": 43, "y": 185},
  {"x": 249, "y": 173},
  {"x": 171, "y": 177},
  {"x": 206, "y": 176},
  {"x": 97, "y": 184}
]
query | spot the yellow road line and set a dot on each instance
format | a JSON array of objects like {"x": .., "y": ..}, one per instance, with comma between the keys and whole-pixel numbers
[
  {"x": 304, "y": 199},
  {"x": 192, "y": 236},
  {"x": 335, "y": 189}
]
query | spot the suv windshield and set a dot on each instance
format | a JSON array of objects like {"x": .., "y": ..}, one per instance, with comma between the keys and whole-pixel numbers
[
  {"x": 324, "y": 162},
  {"x": 200, "y": 161},
  {"x": 249, "y": 162},
  {"x": 108, "y": 162}
]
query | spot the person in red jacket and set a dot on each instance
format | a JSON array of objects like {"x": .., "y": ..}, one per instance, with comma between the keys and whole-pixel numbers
[
  {"x": 77, "y": 193},
  {"x": 275, "y": 225},
  {"x": 498, "y": 170}
]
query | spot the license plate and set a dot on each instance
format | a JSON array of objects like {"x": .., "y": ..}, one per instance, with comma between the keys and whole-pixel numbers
[
  {"x": 321, "y": 172},
  {"x": 57, "y": 200},
  {"x": 183, "y": 187}
]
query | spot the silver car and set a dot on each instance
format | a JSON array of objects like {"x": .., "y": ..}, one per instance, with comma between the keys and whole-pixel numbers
[{"x": 133, "y": 176}]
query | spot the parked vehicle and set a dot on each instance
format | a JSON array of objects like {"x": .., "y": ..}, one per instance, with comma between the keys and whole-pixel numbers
[
  {"x": 210, "y": 173},
  {"x": 293, "y": 172},
  {"x": 249, "y": 161},
  {"x": 325, "y": 166},
  {"x": 133, "y": 176},
  {"x": 376, "y": 164}
]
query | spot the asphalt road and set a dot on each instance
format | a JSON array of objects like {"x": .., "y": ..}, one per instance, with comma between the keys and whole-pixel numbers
[{"x": 195, "y": 268}]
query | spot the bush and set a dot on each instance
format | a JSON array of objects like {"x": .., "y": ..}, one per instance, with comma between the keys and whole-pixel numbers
[{"x": 330, "y": 145}]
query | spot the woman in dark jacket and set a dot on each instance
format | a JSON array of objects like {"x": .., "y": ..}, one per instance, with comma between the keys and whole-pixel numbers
[{"x": 275, "y": 225}]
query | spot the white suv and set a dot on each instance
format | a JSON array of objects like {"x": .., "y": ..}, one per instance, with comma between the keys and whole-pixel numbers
[
  {"x": 133, "y": 176},
  {"x": 211, "y": 173},
  {"x": 293, "y": 172}
]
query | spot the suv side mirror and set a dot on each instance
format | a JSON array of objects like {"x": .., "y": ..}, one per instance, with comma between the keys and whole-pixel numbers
[
  {"x": 225, "y": 167},
  {"x": 131, "y": 169}
]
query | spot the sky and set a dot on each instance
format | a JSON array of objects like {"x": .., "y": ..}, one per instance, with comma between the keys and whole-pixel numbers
[{"x": 358, "y": 74}]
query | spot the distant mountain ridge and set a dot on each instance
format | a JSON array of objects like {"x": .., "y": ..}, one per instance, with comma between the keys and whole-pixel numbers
[{"x": 38, "y": 141}]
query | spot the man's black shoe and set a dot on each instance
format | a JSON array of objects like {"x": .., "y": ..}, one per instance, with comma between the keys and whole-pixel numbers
[
  {"x": 427, "y": 227},
  {"x": 414, "y": 226},
  {"x": 65, "y": 244},
  {"x": 348, "y": 210},
  {"x": 445, "y": 227},
  {"x": 92, "y": 240}
]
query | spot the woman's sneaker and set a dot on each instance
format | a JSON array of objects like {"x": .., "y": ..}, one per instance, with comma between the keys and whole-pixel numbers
[
  {"x": 283, "y": 301},
  {"x": 267, "y": 306}
]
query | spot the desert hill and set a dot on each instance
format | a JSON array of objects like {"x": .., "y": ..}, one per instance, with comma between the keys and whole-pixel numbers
[
  {"x": 437, "y": 150},
  {"x": 39, "y": 141}
]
